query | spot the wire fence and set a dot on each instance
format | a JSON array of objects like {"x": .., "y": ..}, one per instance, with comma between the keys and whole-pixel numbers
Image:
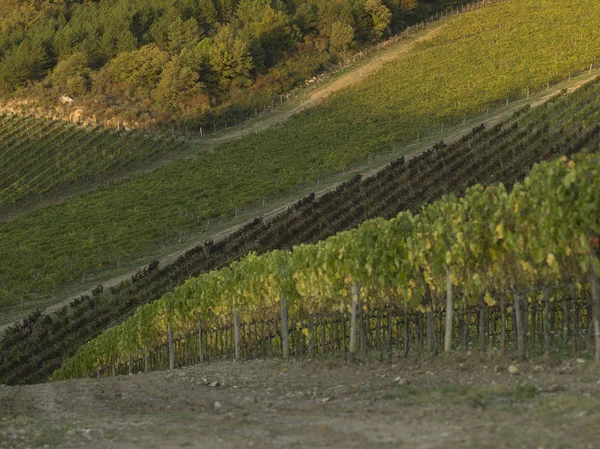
[{"x": 562, "y": 325}]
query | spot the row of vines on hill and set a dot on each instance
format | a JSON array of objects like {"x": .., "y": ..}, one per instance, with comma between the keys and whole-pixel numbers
[
  {"x": 33, "y": 349},
  {"x": 390, "y": 332},
  {"x": 490, "y": 244},
  {"x": 40, "y": 157}
]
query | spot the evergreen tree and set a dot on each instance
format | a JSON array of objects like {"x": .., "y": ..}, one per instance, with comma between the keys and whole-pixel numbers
[
  {"x": 28, "y": 61},
  {"x": 230, "y": 55}
]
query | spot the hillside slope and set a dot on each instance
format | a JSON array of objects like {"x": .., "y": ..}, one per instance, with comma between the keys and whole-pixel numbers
[
  {"x": 425, "y": 87},
  {"x": 563, "y": 126}
]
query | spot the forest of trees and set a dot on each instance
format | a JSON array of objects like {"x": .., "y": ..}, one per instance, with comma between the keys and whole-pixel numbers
[{"x": 159, "y": 61}]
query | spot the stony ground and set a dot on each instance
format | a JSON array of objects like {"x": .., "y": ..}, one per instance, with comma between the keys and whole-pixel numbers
[{"x": 458, "y": 402}]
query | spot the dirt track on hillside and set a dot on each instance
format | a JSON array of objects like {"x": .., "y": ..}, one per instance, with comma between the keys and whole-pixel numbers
[
  {"x": 322, "y": 93},
  {"x": 465, "y": 402}
]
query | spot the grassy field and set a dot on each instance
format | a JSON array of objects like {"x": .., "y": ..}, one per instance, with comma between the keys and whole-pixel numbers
[{"x": 467, "y": 63}]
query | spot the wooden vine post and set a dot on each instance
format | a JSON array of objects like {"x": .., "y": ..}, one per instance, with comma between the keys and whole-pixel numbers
[
  {"x": 171, "y": 348},
  {"x": 546, "y": 323},
  {"x": 449, "y": 314},
  {"x": 284, "y": 324},
  {"x": 146, "y": 361},
  {"x": 388, "y": 343},
  {"x": 429, "y": 328},
  {"x": 595, "y": 283},
  {"x": 200, "y": 349},
  {"x": 236, "y": 325},
  {"x": 575, "y": 329},
  {"x": 520, "y": 328},
  {"x": 406, "y": 331},
  {"x": 566, "y": 320},
  {"x": 311, "y": 336},
  {"x": 353, "y": 319},
  {"x": 482, "y": 324},
  {"x": 503, "y": 324},
  {"x": 362, "y": 324}
]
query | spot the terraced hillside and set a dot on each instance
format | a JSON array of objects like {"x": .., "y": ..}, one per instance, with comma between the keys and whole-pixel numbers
[
  {"x": 563, "y": 126},
  {"x": 41, "y": 158},
  {"x": 436, "y": 80}
]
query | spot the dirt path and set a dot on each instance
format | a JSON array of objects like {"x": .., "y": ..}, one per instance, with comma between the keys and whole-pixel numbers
[
  {"x": 321, "y": 93},
  {"x": 463, "y": 402}
]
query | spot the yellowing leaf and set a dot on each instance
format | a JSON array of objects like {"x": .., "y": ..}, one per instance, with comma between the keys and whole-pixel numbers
[
  {"x": 453, "y": 279},
  {"x": 500, "y": 231},
  {"x": 527, "y": 267},
  {"x": 491, "y": 302},
  {"x": 551, "y": 260},
  {"x": 448, "y": 258},
  {"x": 305, "y": 332},
  {"x": 427, "y": 244}
]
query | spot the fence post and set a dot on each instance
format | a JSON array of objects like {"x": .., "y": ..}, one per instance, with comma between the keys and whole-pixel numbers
[
  {"x": 449, "y": 314},
  {"x": 311, "y": 341},
  {"x": 236, "y": 325},
  {"x": 353, "y": 319},
  {"x": 520, "y": 327},
  {"x": 171, "y": 348},
  {"x": 595, "y": 284},
  {"x": 200, "y": 355},
  {"x": 284, "y": 324}
]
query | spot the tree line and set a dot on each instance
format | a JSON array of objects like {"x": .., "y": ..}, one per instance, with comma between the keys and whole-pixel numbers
[{"x": 154, "y": 61}]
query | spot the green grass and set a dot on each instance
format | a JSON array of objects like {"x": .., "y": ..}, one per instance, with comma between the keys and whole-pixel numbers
[
  {"x": 479, "y": 397},
  {"x": 569, "y": 405},
  {"x": 472, "y": 61}
]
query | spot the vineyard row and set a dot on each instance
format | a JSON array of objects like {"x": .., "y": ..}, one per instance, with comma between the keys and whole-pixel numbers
[
  {"x": 31, "y": 351},
  {"x": 385, "y": 333},
  {"x": 489, "y": 247}
]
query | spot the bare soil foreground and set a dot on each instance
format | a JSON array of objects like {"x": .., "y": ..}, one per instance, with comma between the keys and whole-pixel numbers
[{"x": 465, "y": 401}]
